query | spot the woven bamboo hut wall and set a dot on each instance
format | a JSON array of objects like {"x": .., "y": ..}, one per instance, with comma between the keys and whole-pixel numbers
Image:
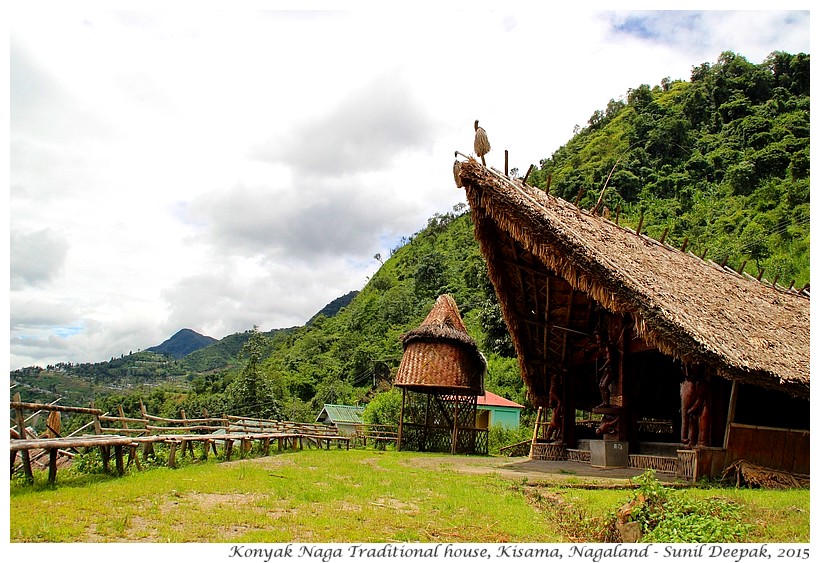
[{"x": 441, "y": 375}]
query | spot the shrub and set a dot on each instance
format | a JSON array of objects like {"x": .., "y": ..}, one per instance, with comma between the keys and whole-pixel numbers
[
  {"x": 384, "y": 408},
  {"x": 667, "y": 516},
  {"x": 500, "y": 436}
]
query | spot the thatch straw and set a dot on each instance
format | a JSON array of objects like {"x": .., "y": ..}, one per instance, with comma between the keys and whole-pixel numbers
[
  {"x": 482, "y": 143},
  {"x": 764, "y": 477},
  {"x": 688, "y": 308}
]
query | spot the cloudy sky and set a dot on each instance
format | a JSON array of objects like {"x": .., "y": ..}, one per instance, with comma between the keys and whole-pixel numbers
[{"x": 219, "y": 170}]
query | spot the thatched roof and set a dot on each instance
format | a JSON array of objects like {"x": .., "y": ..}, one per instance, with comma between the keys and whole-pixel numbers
[
  {"x": 689, "y": 308},
  {"x": 439, "y": 355}
]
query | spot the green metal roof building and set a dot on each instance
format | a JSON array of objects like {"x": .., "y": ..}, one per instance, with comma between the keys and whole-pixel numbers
[{"x": 343, "y": 417}]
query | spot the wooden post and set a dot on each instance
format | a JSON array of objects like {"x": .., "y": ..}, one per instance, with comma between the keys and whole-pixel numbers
[
  {"x": 527, "y": 175},
  {"x": 172, "y": 455},
  {"x": 640, "y": 224},
  {"x": 106, "y": 455},
  {"x": 506, "y": 163},
  {"x": 52, "y": 465},
  {"x": 21, "y": 431},
  {"x": 132, "y": 456},
  {"x": 119, "y": 459},
  {"x": 401, "y": 421},
  {"x": 730, "y": 416},
  {"x": 454, "y": 435},
  {"x": 97, "y": 425},
  {"x": 535, "y": 428}
]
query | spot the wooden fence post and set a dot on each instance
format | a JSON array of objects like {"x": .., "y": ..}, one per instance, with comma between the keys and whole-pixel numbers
[{"x": 21, "y": 431}]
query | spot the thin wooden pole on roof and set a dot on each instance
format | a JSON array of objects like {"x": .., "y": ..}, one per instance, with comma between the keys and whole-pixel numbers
[
  {"x": 685, "y": 242},
  {"x": 527, "y": 175},
  {"x": 705, "y": 250},
  {"x": 578, "y": 197},
  {"x": 640, "y": 224},
  {"x": 760, "y": 274},
  {"x": 742, "y": 267},
  {"x": 724, "y": 261},
  {"x": 549, "y": 181},
  {"x": 663, "y": 236},
  {"x": 506, "y": 163}
]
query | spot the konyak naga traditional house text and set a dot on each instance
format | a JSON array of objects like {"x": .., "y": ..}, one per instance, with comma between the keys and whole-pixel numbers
[{"x": 677, "y": 363}]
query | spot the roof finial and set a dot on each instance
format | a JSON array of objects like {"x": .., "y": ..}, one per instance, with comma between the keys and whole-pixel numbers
[{"x": 482, "y": 143}]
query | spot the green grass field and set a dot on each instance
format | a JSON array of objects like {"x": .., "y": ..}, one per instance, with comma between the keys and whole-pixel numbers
[{"x": 340, "y": 496}]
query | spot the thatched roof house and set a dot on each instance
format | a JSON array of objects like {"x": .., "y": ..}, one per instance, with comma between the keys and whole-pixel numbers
[
  {"x": 686, "y": 307},
  {"x": 679, "y": 351}
]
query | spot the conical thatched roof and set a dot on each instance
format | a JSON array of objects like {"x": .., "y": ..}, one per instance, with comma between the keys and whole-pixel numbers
[
  {"x": 439, "y": 355},
  {"x": 687, "y": 307}
]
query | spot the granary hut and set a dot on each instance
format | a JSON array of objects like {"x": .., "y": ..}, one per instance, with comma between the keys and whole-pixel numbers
[
  {"x": 676, "y": 362},
  {"x": 441, "y": 374}
]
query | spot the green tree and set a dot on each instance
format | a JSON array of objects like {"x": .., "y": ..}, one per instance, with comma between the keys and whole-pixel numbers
[
  {"x": 253, "y": 393},
  {"x": 384, "y": 408}
]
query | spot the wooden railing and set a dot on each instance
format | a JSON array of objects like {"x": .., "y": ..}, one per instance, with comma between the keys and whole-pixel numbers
[
  {"x": 125, "y": 434},
  {"x": 379, "y": 434}
]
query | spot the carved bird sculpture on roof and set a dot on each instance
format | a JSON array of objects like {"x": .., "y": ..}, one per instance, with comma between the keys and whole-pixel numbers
[{"x": 482, "y": 143}]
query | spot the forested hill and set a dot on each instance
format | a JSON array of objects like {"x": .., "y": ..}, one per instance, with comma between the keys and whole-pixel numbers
[{"x": 721, "y": 160}]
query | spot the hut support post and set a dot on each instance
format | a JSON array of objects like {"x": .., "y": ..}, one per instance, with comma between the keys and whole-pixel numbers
[
  {"x": 401, "y": 419},
  {"x": 426, "y": 423},
  {"x": 730, "y": 417},
  {"x": 535, "y": 427},
  {"x": 453, "y": 447}
]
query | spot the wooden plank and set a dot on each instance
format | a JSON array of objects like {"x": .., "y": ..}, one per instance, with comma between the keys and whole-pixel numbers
[
  {"x": 789, "y": 449},
  {"x": 739, "y": 443},
  {"x": 17, "y": 404},
  {"x": 801, "y": 457}
]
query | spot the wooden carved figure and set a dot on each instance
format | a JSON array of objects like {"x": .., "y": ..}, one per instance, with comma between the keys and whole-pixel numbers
[
  {"x": 696, "y": 417},
  {"x": 554, "y": 427},
  {"x": 607, "y": 371},
  {"x": 609, "y": 425}
]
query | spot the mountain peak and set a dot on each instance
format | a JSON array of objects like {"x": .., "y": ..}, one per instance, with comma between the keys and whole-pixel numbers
[{"x": 183, "y": 343}]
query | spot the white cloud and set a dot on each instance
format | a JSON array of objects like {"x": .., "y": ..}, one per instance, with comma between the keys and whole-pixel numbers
[
  {"x": 216, "y": 170},
  {"x": 36, "y": 258}
]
